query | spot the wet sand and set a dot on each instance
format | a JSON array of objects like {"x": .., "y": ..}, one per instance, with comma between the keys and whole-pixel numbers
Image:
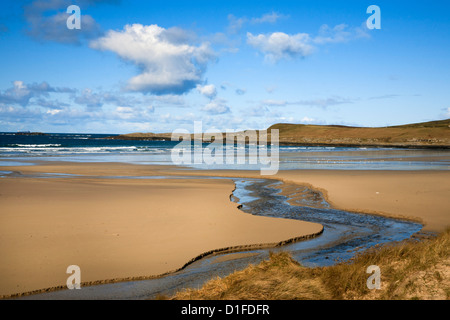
[
  {"x": 125, "y": 228},
  {"x": 120, "y": 228},
  {"x": 422, "y": 196}
]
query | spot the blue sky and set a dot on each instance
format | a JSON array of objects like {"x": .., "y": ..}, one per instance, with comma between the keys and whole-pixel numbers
[{"x": 156, "y": 66}]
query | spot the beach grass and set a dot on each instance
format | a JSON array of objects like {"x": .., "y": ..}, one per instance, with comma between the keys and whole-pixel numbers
[{"x": 409, "y": 270}]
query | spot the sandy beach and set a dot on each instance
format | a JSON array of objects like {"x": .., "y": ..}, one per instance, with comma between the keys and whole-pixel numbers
[
  {"x": 120, "y": 228},
  {"x": 125, "y": 228}
]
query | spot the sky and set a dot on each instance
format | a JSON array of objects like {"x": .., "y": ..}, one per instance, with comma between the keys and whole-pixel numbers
[{"x": 158, "y": 66}]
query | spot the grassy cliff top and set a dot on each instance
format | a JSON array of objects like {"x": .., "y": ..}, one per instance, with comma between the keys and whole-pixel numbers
[{"x": 433, "y": 133}]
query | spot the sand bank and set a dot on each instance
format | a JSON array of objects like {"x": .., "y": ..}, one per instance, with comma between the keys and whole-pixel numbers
[
  {"x": 120, "y": 228},
  {"x": 422, "y": 196}
]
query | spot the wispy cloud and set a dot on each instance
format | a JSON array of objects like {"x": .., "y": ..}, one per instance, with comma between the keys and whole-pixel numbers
[
  {"x": 239, "y": 91},
  {"x": 21, "y": 93},
  {"x": 340, "y": 33},
  {"x": 274, "y": 103},
  {"x": 236, "y": 24},
  {"x": 446, "y": 113},
  {"x": 392, "y": 96},
  {"x": 90, "y": 99},
  {"x": 307, "y": 120},
  {"x": 217, "y": 106},
  {"x": 385, "y": 96},
  {"x": 279, "y": 45},
  {"x": 322, "y": 102},
  {"x": 271, "y": 17}
]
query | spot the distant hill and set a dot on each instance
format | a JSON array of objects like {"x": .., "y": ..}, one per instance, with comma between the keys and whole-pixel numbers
[
  {"x": 28, "y": 133},
  {"x": 142, "y": 136},
  {"x": 433, "y": 134},
  {"x": 427, "y": 134}
]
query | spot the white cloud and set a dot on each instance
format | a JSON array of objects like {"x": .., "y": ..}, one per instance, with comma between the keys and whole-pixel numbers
[
  {"x": 272, "y": 103},
  {"x": 235, "y": 24},
  {"x": 308, "y": 120},
  {"x": 136, "y": 114},
  {"x": 239, "y": 91},
  {"x": 280, "y": 45},
  {"x": 447, "y": 113},
  {"x": 53, "y": 112},
  {"x": 322, "y": 102},
  {"x": 21, "y": 93},
  {"x": 332, "y": 35},
  {"x": 282, "y": 119},
  {"x": 208, "y": 91},
  {"x": 90, "y": 99},
  {"x": 217, "y": 106},
  {"x": 169, "y": 64},
  {"x": 341, "y": 33},
  {"x": 268, "y": 18}
]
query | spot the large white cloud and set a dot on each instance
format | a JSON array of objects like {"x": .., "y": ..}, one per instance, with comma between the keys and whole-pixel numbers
[
  {"x": 280, "y": 45},
  {"x": 169, "y": 64}
]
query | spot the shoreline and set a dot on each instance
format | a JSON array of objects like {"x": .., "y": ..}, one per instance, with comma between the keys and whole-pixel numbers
[{"x": 304, "y": 144}]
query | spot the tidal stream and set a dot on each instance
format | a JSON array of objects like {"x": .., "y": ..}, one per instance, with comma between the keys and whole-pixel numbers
[{"x": 345, "y": 234}]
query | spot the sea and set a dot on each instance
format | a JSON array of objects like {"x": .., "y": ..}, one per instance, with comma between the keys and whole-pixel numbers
[{"x": 77, "y": 147}]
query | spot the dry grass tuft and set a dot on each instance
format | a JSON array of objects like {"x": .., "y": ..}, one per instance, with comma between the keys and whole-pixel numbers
[
  {"x": 409, "y": 270},
  {"x": 278, "y": 278}
]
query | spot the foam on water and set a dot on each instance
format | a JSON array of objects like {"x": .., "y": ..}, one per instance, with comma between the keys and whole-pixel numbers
[{"x": 95, "y": 148}]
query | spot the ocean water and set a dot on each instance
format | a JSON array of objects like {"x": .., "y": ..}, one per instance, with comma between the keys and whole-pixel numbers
[{"x": 23, "y": 149}]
